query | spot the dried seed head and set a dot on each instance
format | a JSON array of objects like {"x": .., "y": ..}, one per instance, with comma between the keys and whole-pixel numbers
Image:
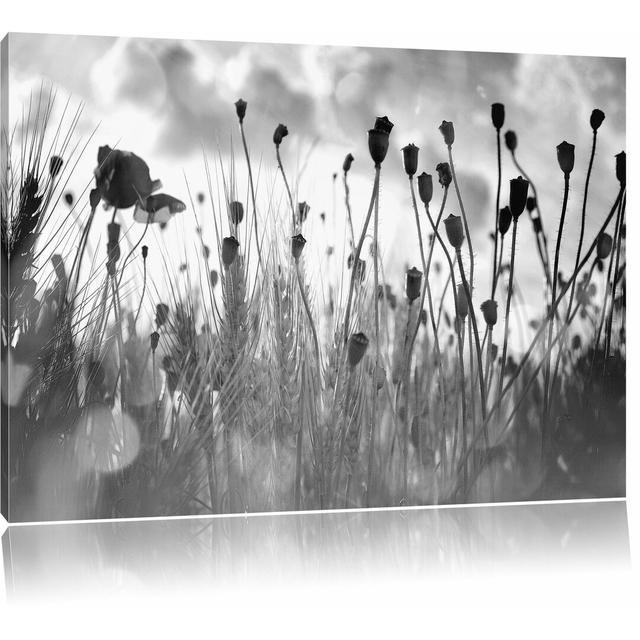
[
  {"x": 448, "y": 132},
  {"x": 348, "y": 161},
  {"x": 200, "y": 197},
  {"x": 55, "y": 165},
  {"x": 504, "y": 220},
  {"x": 511, "y": 140},
  {"x": 230, "y": 248},
  {"x": 497, "y": 115},
  {"x": 241, "y": 109},
  {"x": 566, "y": 157},
  {"x": 576, "y": 342},
  {"x": 297, "y": 245},
  {"x": 414, "y": 284},
  {"x": 455, "y": 231},
  {"x": 519, "y": 188},
  {"x": 444, "y": 174},
  {"x": 423, "y": 317},
  {"x": 145, "y": 251},
  {"x": 462, "y": 303},
  {"x": 425, "y": 187},
  {"x": 489, "y": 310},
  {"x": 605, "y": 242},
  {"x": 357, "y": 347},
  {"x": 154, "y": 339},
  {"x": 213, "y": 277},
  {"x": 280, "y": 133},
  {"x": 162, "y": 314},
  {"x": 410, "y": 157},
  {"x": 531, "y": 204},
  {"x": 68, "y": 198},
  {"x": 378, "y": 145},
  {"x": 236, "y": 210},
  {"x": 596, "y": 119}
]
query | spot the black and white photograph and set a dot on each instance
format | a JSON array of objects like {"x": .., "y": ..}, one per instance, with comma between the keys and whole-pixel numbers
[{"x": 248, "y": 278}]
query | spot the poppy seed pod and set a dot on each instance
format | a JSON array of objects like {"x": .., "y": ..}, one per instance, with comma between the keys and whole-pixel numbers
[
  {"x": 489, "y": 310},
  {"x": 378, "y": 145},
  {"x": 236, "y": 209},
  {"x": 414, "y": 283},
  {"x": 531, "y": 204},
  {"x": 497, "y": 115},
  {"x": 280, "y": 133},
  {"x": 605, "y": 242},
  {"x": 425, "y": 187},
  {"x": 444, "y": 174},
  {"x": 94, "y": 198},
  {"x": 455, "y": 232},
  {"x": 154, "y": 339},
  {"x": 162, "y": 314},
  {"x": 621, "y": 168},
  {"x": 68, "y": 198},
  {"x": 504, "y": 220},
  {"x": 113, "y": 232},
  {"x": 213, "y": 278},
  {"x": 303, "y": 211},
  {"x": 230, "y": 248},
  {"x": 462, "y": 302},
  {"x": 145, "y": 251},
  {"x": 596, "y": 119},
  {"x": 55, "y": 165},
  {"x": 297, "y": 245},
  {"x": 511, "y": 140},
  {"x": 518, "y": 196},
  {"x": 566, "y": 157},
  {"x": 241, "y": 109},
  {"x": 410, "y": 157},
  {"x": 356, "y": 349},
  {"x": 383, "y": 124},
  {"x": 448, "y": 132},
  {"x": 348, "y": 161}
]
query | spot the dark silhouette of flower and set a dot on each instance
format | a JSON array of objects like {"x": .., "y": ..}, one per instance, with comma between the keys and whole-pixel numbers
[
  {"x": 605, "y": 243},
  {"x": 68, "y": 198},
  {"x": 462, "y": 302},
  {"x": 519, "y": 188},
  {"x": 348, "y": 161},
  {"x": 230, "y": 248},
  {"x": 280, "y": 133},
  {"x": 241, "y": 109},
  {"x": 213, "y": 278},
  {"x": 303, "y": 211},
  {"x": 489, "y": 310},
  {"x": 504, "y": 220},
  {"x": 454, "y": 230},
  {"x": 410, "y": 156},
  {"x": 297, "y": 245},
  {"x": 145, "y": 251},
  {"x": 566, "y": 157},
  {"x": 55, "y": 165},
  {"x": 154, "y": 338},
  {"x": 425, "y": 187},
  {"x": 414, "y": 284},
  {"x": 596, "y": 119},
  {"x": 531, "y": 204},
  {"x": 122, "y": 178},
  {"x": 497, "y": 115},
  {"x": 378, "y": 145},
  {"x": 511, "y": 140},
  {"x": 448, "y": 132},
  {"x": 158, "y": 208},
  {"x": 357, "y": 347},
  {"x": 444, "y": 173}
]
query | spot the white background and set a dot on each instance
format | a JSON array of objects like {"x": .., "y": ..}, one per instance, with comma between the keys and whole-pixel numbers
[{"x": 488, "y": 605}]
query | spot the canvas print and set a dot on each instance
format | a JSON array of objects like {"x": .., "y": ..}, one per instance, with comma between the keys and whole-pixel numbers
[{"x": 242, "y": 277}]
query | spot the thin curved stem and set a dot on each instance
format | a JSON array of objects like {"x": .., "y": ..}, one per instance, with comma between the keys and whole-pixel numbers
[{"x": 495, "y": 233}]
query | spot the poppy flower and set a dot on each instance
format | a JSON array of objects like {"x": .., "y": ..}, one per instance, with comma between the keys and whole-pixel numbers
[
  {"x": 518, "y": 188},
  {"x": 241, "y": 109},
  {"x": 280, "y": 132},
  {"x": 497, "y": 115},
  {"x": 448, "y": 132},
  {"x": 489, "y": 310},
  {"x": 122, "y": 178},
  {"x": 596, "y": 119},
  {"x": 454, "y": 230},
  {"x": 348, "y": 161},
  {"x": 605, "y": 242},
  {"x": 511, "y": 140},
  {"x": 237, "y": 212},
  {"x": 504, "y": 220},
  {"x": 158, "y": 208},
  {"x": 230, "y": 248},
  {"x": 566, "y": 156},
  {"x": 444, "y": 174}
]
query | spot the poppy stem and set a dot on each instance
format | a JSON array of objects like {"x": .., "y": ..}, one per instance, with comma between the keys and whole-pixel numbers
[
  {"x": 495, "y": 233},
  {"x": 286, "y": 184}
]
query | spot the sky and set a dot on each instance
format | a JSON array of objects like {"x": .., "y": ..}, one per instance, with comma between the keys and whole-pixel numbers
[{"x": 169, "y": 100}]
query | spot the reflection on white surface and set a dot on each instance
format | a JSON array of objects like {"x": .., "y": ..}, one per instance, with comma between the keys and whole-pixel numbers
[{"x": 116, "y": 558}]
